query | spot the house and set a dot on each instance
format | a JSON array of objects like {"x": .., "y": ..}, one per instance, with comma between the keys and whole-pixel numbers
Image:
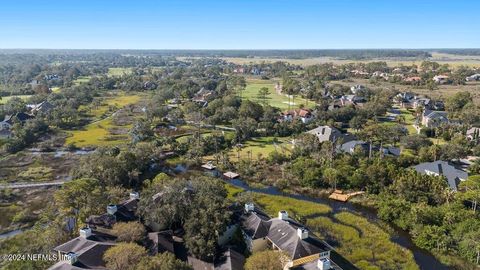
[
  {"x": 18, "y": 117},
  {"x": 203, "y": 96},
  {"x": 326, "y": 133},
  {"x": 357, "y": 88},
  {"x": 123, "y": 212},
  {"x": 353, "y": 99},
  {"x": 433, "y": 119},
  {"x": 255, "y": 71},
  {"x": 473, "y": 134},
  {"x": 5, "y": 124},
  {"x": 84, "y": 252},
  {"x": 149, "y": 85},
  {"x": 5, "y": 133},
  {"x": 239, "y": 70},
  {"x": 51, "y": 77},
  {"x": 474, "y": 77},
  {"x": 404, "y": 99},
  {"x": 5, "y": 129},
  {"x": 303, "y": 115},
  {"x": 441, "y": 79},
  {"x": 43, "y": 107},
  {"x": 391, "y": 151},
  {"x": 443, "y": 168},
  {"x": 421, "y": 103},
  {"x": 412, "y": 79},
  {"x": 283, "y": 233},
  {"x": 351, "y": 146}
]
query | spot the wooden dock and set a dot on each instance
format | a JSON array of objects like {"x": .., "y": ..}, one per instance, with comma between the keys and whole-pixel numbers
[{"x": 338, "y": 195}]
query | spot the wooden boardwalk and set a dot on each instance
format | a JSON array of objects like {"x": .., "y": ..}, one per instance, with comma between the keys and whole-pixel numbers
[{"x": 338, "y": 195}]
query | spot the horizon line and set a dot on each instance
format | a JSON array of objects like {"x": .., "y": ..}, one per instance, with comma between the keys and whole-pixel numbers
[{"x": 270, "y": 49}]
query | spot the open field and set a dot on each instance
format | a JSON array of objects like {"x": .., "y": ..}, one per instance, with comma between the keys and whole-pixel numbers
[
  {"x": 81, "y": 79},
  {"x": 261, "y": 146},
  {"x": 362, "y": 242},
  {"x": 4, "y": 100},
  {"x": 111, "y": 122},
  {"x": 97, "y": 134},
  {"x": 107, "y": 103},
  {"x": 441, "y": 58},
  {"x": 443, "y": 91},
  {"x": 274, "y": 99},
  {"x": 118, "y": 71}
]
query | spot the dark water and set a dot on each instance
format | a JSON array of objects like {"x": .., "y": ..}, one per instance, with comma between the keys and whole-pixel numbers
[
  {"x": 424, "y": 259},
  {"x": 10, "y": 234}
]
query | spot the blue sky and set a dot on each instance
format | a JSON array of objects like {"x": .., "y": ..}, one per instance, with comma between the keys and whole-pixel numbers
[{"x": 243, "y": 24}]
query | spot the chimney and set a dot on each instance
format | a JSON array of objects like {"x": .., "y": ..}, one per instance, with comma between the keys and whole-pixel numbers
[
  {"x": 249, "y": 207},
  {"x": 85, "y": 232},
  {"x": 323, "y": 264},
  {"x": 134, "y": 195},
  {"x": 283, "y": 215},
  {"x": 440, "y": 168},
  {"x": 111, "y": 209},
  {"x": 302, "y": 233},
  {"x": 72, "y": 257}
]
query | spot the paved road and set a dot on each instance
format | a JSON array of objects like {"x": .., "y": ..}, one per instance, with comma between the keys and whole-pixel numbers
[{"x": 31, "y": 185}]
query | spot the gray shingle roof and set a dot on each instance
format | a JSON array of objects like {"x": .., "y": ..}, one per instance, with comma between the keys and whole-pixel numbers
[
  {"x": 284, "y": 235},
  {"x": 230, "y": 260},
  {"x": 443, "y": 168},
  {"x": 255, "y": 224}
]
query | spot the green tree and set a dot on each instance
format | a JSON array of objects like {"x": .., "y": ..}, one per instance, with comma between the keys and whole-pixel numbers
[
  {"x": 80, "y": 198},
  {"x": 266, "y": 260},
  {"x": 163, "y": 261},
  {"x": 263, "y": 94},
  {"x": 129, "y": 231},
  {"x": 124, "y": 256}
]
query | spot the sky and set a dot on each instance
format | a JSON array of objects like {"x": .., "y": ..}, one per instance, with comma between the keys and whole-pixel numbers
[{"x": 242, "y": 24}]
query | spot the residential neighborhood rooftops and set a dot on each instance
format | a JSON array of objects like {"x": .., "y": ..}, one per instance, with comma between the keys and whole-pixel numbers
[
  {"x": 87, "y": 251},
  {"x": 443, "y": 168},
  {"x": 284, "y": 234},
  {"x": 327, "y": 133}
]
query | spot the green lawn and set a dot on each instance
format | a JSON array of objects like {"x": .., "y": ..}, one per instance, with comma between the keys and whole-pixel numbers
[
  {"x": 81, "y": 79},
  {"x": 4, "y": 100},
  {"x": 119, "y": 71},
  {"x": 56, "y": 89},
  {"x": 274, "y": 99},
  {"x": 261, "y": 145}
]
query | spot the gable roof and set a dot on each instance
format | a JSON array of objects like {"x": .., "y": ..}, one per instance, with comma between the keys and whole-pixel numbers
[
  {"x": 283, "y": 234},
  {"x": 21, "y": 116},
  {"x": 443, "y": 168},
  {"x": 255, "y": 224},
  {"x": 350, "y": 146},
  {"x": 441, "y": 115},
  {"x": 162, "y": 242},
  {"x": 89, "y": 251},
  {"x": 229, "y": 260},
  {"x": 327, "y": 133}
]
